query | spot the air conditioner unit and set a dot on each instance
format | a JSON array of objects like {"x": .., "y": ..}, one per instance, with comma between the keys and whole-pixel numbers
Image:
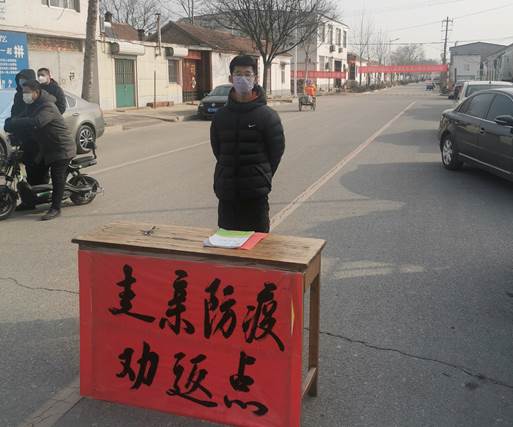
[
  {"x": 340, "y": 49},
  {"x": 332, "y": 48}
]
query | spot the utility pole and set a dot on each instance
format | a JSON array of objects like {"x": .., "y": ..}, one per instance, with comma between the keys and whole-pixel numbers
[{"x": 445, "y": 28}]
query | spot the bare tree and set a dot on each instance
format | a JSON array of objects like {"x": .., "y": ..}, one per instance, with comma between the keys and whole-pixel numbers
[
  {"x": 380, "y": 48},
  {"x": 411, "y": 54},
  {"x": 140, "y": 14},
  {"x": 90, "y": 53},
  {"x": 275, "y": 26},
  {"x": 185, "y": 8},
  {"x": 362, "y": 37}
]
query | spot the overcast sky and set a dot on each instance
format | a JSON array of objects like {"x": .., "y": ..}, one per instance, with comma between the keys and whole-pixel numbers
[{"x": 474, "y": 20}]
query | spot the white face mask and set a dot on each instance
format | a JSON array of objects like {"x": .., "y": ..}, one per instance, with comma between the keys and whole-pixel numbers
[
  {"x": 43, "y": 79},
  {"x": 27, "y": 98},
  {"x": 243, "y": 85}
]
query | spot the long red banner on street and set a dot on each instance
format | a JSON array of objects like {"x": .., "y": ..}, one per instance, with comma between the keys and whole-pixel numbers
[
  {"x": 320, "y": 74},
  {"x": 387, "y": 69}
]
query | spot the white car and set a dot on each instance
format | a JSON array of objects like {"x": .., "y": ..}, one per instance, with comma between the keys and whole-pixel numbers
[{"x": 473, "y": 86}]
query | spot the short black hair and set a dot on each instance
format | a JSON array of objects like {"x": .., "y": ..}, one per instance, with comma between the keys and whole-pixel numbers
[
  {"x": 244, "y": 61},
  {"x": 33, "y": 85},
  {"x": 46, "y": 70}
]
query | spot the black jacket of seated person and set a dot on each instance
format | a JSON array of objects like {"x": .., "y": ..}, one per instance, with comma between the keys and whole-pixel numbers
[
  {"x": 248, "y": 142},
  {"x": 56, "y": 147}
]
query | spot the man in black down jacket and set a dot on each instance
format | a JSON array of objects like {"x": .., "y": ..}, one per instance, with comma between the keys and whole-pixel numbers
[
  {"x": 52, "y": 87},
  {"x": 46, "y": 126},
  {"x": 248, "y": 142},
  {"x": 36, "y": 173}
]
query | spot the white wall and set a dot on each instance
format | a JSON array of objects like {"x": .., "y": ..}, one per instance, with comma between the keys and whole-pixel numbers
[
  {"x": 66, "y": 67},
  {"x": 220, "y": 68},
  {"x": 31, "y": 16},
  {"x": 144, "y": 73},
  {"x": 466, "y": 66}
]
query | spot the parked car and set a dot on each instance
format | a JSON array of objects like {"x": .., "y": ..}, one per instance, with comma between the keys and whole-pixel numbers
[
  {"x": 480, "y": 132},
  {"x": 84, "y": 119},
  {"x": 473, "y": 86},
  {"x": 214, "y": 101}
]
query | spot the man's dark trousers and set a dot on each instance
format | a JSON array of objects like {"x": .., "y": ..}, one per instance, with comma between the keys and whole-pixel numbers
[{"x": 246, "y": 215}]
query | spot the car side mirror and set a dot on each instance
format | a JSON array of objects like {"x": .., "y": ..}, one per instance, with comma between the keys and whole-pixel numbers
[{"x": 505, "y": 120}]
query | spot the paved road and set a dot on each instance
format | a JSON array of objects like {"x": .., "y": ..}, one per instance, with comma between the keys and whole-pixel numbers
[{"x": 417, "y": 299}]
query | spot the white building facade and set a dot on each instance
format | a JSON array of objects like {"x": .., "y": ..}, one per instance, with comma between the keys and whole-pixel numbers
[
  {"x": 55, "y": 31},
  {"x": 324, "y": 58}
]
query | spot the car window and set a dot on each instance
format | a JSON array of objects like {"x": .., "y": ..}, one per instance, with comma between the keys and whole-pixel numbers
[
  {"x": 479, "y": 105},
  {"x": 72, "y": 102},
  {"x": 501, "y": 106},
  {"x": 464, "y": 107},
  {"x": 221, "y": 91},
  {"x": 471, "y": 89}
]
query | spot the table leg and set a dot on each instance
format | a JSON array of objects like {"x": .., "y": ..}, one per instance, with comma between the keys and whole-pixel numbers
[{"x": 313, "y": 353}]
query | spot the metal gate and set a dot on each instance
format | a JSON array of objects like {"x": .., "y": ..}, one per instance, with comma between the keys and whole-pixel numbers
[{"x": 125, "y": 82}]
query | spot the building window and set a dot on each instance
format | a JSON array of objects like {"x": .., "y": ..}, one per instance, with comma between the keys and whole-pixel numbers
[
  {"x": 344, "y": 45},
  {"x": 467, "y": 67},
  {"x": 339, "y": 37},
  {"x": 323, "y": 33},
  {"x": 65, "y": 4},
  {"x": 330, "y": 34},
  {"x": 173, "y": 67},
  {"x": 283, "y": 74}
]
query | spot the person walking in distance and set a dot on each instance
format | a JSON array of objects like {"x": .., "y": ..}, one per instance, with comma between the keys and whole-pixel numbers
[
  {"x": 248, "y": 143},
  {"x": 52, "y": 87}
]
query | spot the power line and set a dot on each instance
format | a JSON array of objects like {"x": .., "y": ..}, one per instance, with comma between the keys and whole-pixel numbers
[{"x": 457, "y": 17}]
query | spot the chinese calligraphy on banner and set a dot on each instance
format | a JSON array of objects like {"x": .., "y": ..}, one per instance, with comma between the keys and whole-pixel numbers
[{"x": 196, "y": 339}]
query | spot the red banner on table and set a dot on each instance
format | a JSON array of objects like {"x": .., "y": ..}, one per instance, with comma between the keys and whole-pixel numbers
[
  {"x": 388, "y": 69},
  {"x": 197, "y": 339},
  {"x": 320, "y": 74}
]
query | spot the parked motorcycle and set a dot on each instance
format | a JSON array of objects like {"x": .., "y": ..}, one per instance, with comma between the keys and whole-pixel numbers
[{"x": 81, "y": 189}]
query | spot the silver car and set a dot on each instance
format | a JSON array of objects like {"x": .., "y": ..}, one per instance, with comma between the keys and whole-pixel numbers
[{"x": 84, "y": 119}]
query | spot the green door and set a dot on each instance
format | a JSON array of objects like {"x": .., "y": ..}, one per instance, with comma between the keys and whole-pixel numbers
[{"x": 125, "y": 83}]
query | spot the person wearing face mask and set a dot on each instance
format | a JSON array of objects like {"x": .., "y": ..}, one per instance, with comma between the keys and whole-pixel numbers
[
  {"x": 46, "y": 127},
  {"x": 37, "y": 173},
  {"x": 52, "y": 87},
  {"x": 248, "y": 142}
]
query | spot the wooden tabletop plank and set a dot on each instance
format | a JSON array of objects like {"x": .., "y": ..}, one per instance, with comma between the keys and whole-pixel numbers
[{"x": 286, "y": 251}]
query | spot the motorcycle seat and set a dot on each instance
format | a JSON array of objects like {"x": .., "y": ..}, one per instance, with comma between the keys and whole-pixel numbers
[{"x": 83, "y": 162}]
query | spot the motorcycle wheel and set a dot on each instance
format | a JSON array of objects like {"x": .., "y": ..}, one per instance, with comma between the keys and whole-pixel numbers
[
  {"x": 7, "y": 203},
  {"x": 84, "y": 198}
]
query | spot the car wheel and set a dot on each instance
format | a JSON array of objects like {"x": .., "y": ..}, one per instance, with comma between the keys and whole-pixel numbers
[
  {"x": 450, "y": 158},
  {"x": 86, "y": 137}
]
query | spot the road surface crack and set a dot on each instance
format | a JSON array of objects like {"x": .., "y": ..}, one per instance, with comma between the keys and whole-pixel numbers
[
  {"x": 21, "y": 285},
  {"x": 460, "y": 368}
]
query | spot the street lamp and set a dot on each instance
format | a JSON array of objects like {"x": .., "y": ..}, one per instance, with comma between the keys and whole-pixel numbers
[{"x": 390, "y": 53}]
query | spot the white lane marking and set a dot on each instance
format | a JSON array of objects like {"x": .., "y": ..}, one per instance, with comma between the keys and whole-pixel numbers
[
  {"x": 145, "y": 159},
  {"x": 54, "y": 409},
  {"x": 310, "y": 191}
]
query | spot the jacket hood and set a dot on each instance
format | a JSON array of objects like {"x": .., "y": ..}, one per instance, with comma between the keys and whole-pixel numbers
[
  {"x": 45, "y": 98},
  {"x": 243, "y": 107},
  {"x": 26, "y": 74}
]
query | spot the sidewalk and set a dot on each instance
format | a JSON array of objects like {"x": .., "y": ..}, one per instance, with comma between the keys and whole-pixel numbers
[{"x": 132, "y": 118}]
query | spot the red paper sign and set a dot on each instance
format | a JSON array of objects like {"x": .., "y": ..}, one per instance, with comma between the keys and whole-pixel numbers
[
  {"x": 190, "y": 338},
  {"x": 387, "y": 69},
  {"x": 320, "y": 74}
]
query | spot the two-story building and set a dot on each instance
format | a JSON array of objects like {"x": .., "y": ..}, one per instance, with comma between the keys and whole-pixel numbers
[
  {"x": 52, "y": 34},
  {"x": 324, "y": 58}
]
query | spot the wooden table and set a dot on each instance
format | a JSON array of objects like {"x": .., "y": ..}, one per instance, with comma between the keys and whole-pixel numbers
[{"x": 286, "y": 254}]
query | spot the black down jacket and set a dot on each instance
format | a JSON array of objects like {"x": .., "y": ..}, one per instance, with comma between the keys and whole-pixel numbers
[
  {"x": 45, "y": 124},
  {"x": 248, "y": 142},
  {"x": 55, "y": 90}
]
